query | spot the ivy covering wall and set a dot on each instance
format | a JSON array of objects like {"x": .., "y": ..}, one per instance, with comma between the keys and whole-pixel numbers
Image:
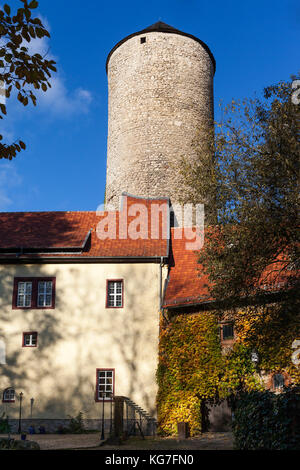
[{"x": 192, "y": 370}]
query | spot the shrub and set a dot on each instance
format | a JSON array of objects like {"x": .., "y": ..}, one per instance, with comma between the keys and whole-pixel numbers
[
  {"x": 4, "y": 425},
  {"x": 267, "y": 421},
  {"x": 76, "y": 424}
]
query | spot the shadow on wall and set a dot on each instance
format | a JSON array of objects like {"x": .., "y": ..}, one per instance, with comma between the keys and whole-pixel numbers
[
  {"x": 131, "y": 340},
  {"x": 24, "y": 372},
  {"x": 220, "y": 417},
  {"x": 128, "y": 338},
  {"x": 19, "y": 369},
  {"x": 128, "y": 331}
]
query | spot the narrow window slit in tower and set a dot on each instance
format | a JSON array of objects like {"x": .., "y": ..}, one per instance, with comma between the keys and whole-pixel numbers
[{"x": 143, "y": 40}]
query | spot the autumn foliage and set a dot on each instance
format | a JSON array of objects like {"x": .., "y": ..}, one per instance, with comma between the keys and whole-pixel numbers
[{"x": 193, "y": 371}]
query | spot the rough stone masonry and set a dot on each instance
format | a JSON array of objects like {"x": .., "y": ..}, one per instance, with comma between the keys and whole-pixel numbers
[{"x": 160, "y": 94}]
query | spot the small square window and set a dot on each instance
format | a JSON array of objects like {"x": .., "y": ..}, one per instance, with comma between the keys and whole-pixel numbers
[
  {"x": 114, "y": 294},
  {"x": 105, "y": 384},
  {"x": 30, "y": 340},
  {"x": 143, "y": 40}
]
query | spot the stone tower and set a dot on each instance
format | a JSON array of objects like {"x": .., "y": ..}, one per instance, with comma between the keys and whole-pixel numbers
[{"x": 160, "y": 93}]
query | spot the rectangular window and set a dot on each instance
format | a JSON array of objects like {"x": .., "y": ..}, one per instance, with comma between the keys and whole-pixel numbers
[
  {"x": 34, "y": 293},
  {"x": 278, "y": 381},
  {"x": 44, "y": 293},
  {"x": 8, "y": 395},
  {"x": 227, "y": 330},
  {"x": 30, "y": 340},
  {"x": 105, "y": 384},
  {"x": 24, "y": 294},
  {"x": 114, "y": 294}
]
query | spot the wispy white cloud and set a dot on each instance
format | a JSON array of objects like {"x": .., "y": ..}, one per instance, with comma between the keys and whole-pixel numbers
[
  {"x": 9, "y": 180},
  {"x": 59, "y": 99}
]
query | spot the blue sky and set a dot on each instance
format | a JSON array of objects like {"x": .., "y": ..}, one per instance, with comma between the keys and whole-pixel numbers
[{"x": 255, "y": 44}]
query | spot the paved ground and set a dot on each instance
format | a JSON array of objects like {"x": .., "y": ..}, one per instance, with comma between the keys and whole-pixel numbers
[{"x": 207, "y": 441}]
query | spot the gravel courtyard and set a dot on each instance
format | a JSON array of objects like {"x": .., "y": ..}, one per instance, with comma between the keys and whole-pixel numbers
[{"x": 207, "y": 441}]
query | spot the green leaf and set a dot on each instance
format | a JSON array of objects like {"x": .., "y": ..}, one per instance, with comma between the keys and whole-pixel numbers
[
  {"x": 33, "y": 4},
  {"x": 7, "y": 9},
  {"x": 31, "y": 32}
]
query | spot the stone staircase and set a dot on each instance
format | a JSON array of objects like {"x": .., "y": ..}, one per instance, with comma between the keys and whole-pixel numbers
[{"x": 136, "y": 417}]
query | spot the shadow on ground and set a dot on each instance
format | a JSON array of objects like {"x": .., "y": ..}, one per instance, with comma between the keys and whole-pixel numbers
[{"x": 207, "y": 441}]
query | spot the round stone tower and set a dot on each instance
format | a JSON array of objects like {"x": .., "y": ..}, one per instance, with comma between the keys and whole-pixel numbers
[{"x": 160, "y": 94}]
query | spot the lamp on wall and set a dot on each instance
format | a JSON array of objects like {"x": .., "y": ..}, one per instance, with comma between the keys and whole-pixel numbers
[{"x": 254, "y": 357}]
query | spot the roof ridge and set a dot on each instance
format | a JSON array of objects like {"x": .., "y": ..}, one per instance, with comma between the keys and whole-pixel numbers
[{"x": 47, "y": 212}]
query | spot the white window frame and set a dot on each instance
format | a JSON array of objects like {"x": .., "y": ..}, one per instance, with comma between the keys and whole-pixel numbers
[
  {"x": 115, "y": 298},
  {"x": 9, "y": 395},
  {"x": 105, "y": 384},
  {"x": 43, "y": 294},
  {"x": 30, "y": 339},
  {"x": 27, "y": 294}
]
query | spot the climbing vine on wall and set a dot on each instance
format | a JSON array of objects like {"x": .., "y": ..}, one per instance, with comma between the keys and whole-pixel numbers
[{"x": 193, "y": 370}]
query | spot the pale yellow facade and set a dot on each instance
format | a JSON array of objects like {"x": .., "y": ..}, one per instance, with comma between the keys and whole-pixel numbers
[{"x": 79, "y": 336}]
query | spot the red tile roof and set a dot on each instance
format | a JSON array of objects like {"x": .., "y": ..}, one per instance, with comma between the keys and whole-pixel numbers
[
  {"x": 63, "y": 235},
  {"x": 47, "y": 233},
  {"x": 187, "y": 284},
  {"x": 43, "y": 230}
]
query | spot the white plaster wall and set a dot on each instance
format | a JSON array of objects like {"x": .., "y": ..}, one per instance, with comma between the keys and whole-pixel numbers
[{"x": 79, "y": 336}]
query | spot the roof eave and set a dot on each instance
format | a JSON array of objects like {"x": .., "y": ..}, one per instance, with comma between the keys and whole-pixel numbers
[
  {"x": 84, "y": 259},
  {"x": 168, "y": 30}
]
